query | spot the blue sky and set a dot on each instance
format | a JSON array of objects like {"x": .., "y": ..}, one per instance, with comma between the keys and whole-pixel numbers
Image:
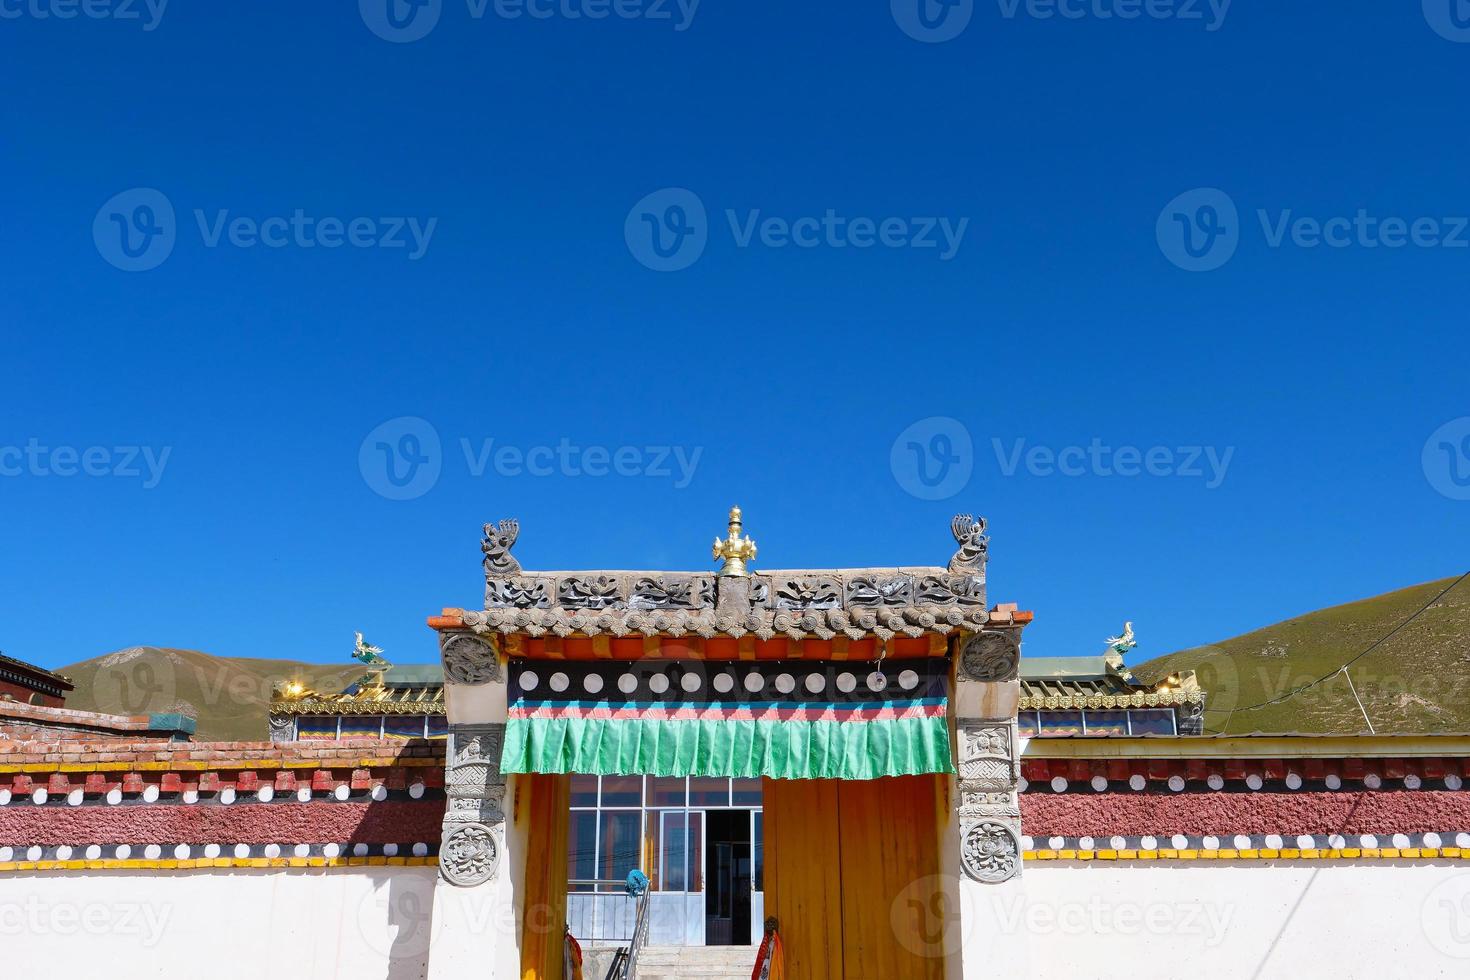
[{"x": 462, "y": 231}]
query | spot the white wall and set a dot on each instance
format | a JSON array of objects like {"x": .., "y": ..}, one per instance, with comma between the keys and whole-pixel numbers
[
  {"x": 1062, "y": 920},
  {"x": 359, "y": 923},
  {"x": 1225, "y": 919}
]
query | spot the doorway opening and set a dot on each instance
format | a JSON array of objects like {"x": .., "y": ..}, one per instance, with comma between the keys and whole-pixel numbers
[{"x": 729, "y": 874}]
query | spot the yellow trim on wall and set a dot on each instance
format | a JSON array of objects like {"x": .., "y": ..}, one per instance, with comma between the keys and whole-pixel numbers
[
  {"x": 1254, "y": 854},
  {"x": 192, "y": 864}
]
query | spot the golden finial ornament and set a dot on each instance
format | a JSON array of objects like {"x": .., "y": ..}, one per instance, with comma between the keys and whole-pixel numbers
[{"x": 736, "y": 549}]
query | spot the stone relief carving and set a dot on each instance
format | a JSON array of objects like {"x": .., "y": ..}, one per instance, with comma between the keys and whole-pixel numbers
[
  {"x": 593, "y": 592},
  {"x": 871, "y": 591},
  {"x": 469, "y": 659},
  {"x": 517, "y": 593},
  {"x": 970, "y": 535},
  {"x": 820, "y": 592},
  {"x": 474, "y": 758},
  {"x": 474, "y": 818},
  {"x": 283, "y": 728},
  {"x": 965, "y": 590},
  {"x": 469, "y": 854},
  {"x": 499, "y": 539},
  {"x": 988, "y": 803},
  {"x": 987, "y": 758},
  {"x": 990, "y": 851},
  {"x": 1190, "y": 718},
  {"x": 672, "y": 592},
  {"x": 991, "y": 655}
]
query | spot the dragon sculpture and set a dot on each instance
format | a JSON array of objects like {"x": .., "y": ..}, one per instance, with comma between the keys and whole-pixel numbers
[{"x": 970, "y": 535}]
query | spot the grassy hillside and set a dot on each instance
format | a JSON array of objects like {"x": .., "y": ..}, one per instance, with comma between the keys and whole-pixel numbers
[
  {"x": 1416, "y": 682},
  {"x": 229, "y": 695}
]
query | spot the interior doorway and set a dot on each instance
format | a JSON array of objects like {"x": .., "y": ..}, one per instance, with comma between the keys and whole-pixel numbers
[{"x": 729, "y": 876}]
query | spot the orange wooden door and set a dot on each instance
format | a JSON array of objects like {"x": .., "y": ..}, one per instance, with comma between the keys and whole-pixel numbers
[
  {"x": 838, "y": 856},
  {"x": 543, "y": 802}
]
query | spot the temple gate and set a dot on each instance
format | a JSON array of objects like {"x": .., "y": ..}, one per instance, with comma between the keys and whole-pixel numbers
[{"x": 875, "y": 706}]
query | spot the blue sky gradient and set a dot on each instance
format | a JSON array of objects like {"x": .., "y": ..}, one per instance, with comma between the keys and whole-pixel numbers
[{"x": 536, "y": 146}]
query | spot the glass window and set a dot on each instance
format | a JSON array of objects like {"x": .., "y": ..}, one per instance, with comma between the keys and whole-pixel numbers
[
  {"x": 745, "y": 792},
  {"x": 1061, "y": 723},
  {"x": 1152, "y": 721},
  {"x": 673, "y": 851},
  {"x": 622, "y": 790},
  {"x": 584, "y": 790},
  {"x": 709, "y": 791},
  {"x": 666, "y": 791},
  {"x": 696, "y": 852},
  {"x": 619, "y": 835},
  {"x": 1107, "y": 723},
  {"x": 758, "y": 853},
  {"x": 582, "y": 849}
]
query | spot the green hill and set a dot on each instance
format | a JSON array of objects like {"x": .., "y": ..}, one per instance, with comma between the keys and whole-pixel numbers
[
  {"x": 1415, "y": 682},
  {"x": 230, "y": 696}
]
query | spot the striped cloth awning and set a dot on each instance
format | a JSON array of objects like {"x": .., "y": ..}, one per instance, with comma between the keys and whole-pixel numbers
[{"x": 786, "y": 720}]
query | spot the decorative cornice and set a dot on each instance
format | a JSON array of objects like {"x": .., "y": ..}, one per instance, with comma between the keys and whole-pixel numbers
[
  {"x": 1138, "y": 699},
  {"x": 799, "y": 605},
  {"x": 356, "y": 706}
]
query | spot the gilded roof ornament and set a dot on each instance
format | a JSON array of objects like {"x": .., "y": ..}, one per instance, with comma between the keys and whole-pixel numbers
[{"x": 736, "y": 549}]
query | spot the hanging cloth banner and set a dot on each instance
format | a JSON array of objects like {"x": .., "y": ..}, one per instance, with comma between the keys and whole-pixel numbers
[
  {"x": 782, "y": 719},
  {"x": 770, "y": 959}
]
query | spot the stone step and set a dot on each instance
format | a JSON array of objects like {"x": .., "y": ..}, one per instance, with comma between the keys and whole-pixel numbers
[{"x": 706, "y": 962}]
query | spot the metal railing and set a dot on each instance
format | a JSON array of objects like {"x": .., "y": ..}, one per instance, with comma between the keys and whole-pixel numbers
[
  {"x": 640, "y": 936},
  {"x": 628, "y": 924}
]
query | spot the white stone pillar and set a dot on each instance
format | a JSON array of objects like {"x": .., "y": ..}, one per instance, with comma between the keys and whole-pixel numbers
[
  {"x": 477, "y": 914},
  {"x": 985, "y": 834}
]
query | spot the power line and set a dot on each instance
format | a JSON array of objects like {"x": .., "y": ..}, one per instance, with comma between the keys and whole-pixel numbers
[{"x": 1369, "y": 649}]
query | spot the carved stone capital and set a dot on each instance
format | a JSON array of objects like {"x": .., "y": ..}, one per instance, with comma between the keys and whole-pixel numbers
[
  {"x": 469, "y": 659},
  {"x": 990, "y": 655},
  {"x": 469, "y": 853},
  {"x": 990, "y": 850}
]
